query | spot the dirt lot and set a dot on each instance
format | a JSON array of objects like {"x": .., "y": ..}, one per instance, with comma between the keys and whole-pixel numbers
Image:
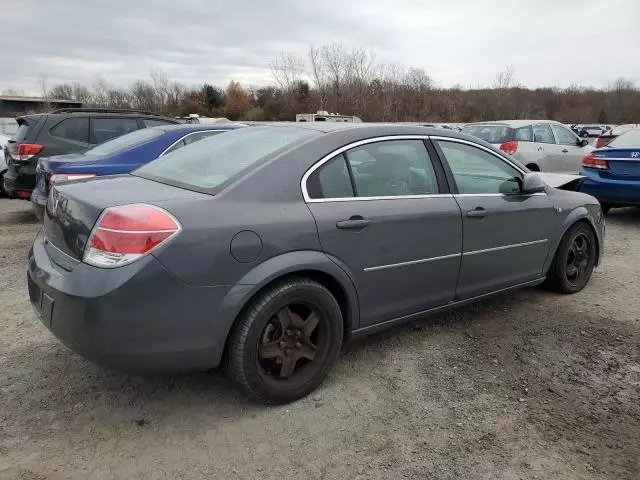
[{"x": 529, "y": 385}]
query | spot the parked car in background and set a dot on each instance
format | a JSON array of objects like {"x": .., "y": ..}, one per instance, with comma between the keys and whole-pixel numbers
[
  {"x": 117, "y": 156},
  {"x": 4, "y": 139},
  {"x": 613, "y": 172},
  {"x": 65, "y": 131},
  {"x": 255, "y": 246},
  {"x": 542, "y": 145},
  {"x": 604, "y": 139},
  {"x": 586, "y": 131}
]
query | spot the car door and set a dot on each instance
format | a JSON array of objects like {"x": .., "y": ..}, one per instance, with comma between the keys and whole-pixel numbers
[
  {"x": 506, "y": 234},
  {"x": 382, "y": 209},
  {"x": 572, "y": 151},
  {"x": 551, "y": 161}
]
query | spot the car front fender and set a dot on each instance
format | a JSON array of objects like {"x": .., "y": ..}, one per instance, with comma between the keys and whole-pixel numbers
[{"x": 578, "y": 214}]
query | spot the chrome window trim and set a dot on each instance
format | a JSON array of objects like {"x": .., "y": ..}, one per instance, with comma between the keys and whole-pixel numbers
[
  {"x": 330, "y": 156},
  {"x": 367, "y": 199},
  {"x": 411, "y": 262},
  {"x": 188, "y": 135},
  {"x": 505, "y": 247}
]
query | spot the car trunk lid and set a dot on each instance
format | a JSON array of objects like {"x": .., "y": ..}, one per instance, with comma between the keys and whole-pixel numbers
[
  {"x": 74, "y": 207},
  {"x": 623, "y": 162}
]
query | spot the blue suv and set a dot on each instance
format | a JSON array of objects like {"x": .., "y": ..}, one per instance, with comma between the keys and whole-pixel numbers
[{"x": 117, "y": 156}]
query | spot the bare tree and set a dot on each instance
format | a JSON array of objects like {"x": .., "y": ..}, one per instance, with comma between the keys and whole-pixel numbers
[
  {"x": 13, "y": 92},
  {"x": 505, "y": 79}
]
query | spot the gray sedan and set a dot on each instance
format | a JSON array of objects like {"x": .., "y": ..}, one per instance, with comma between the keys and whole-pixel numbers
[{"x": 270, "y": 246}]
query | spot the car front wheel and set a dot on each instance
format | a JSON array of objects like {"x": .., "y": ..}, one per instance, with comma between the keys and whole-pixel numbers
[
  {"x": 574, "y": 261},
  {"x": 286, "y": 342}
]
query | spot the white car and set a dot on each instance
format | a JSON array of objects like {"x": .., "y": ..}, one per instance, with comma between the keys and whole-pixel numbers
[{"x": 541, "y": 145}]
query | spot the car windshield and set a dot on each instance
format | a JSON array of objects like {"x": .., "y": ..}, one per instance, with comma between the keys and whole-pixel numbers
[
  {"x": 124, "y": 142},
  {"x": 208, "y": 163},
  {"x": 630, "y": 138}
]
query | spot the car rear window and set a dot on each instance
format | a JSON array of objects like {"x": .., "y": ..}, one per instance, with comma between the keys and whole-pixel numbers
[
  {"x": 21, "y": 133},
  {"x": 631, "y": 138},
  {"x": 124, "y": 142},
  {"x": 208, "y": 163},
  {"x": 490, "y": 133}
]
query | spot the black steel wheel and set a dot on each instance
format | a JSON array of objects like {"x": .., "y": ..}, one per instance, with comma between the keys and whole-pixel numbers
[
  {"x": 574, "y": 261},
  {"x": 287, "y": 341}
]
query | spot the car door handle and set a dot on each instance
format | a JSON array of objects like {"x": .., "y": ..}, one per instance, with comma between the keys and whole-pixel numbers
[
  {"x": 355, "y": 222},
  {"x": 477, "y": 212},
  {"x": 564, "y": 150}
]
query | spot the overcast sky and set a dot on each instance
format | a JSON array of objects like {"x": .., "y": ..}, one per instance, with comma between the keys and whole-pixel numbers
[{"x": 548, "y": 42}]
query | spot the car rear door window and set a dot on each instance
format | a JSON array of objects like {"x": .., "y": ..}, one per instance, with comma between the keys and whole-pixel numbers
[
  {"x": 542, "y": 134},
  {"x": 331, "y": 180},
  {"x": 477, "y": 171},
  {"x": 524, "y": 134},
  {"x": 103, "y": 129},
  {"x": 392, "y": 168},
  {"x": 564, "y": 136},
  {"x": 73, "y": 128}
]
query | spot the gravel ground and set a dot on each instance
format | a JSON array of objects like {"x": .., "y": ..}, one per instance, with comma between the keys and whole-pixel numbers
[{"x": 527, "y": 385}]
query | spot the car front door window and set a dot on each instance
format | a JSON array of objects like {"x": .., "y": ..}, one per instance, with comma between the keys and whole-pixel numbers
[
  {"x": 564, "y": 136},
  {"x": 477, "y": 171}
]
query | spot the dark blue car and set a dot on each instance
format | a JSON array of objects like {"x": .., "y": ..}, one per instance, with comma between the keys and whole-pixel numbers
[
  {"x": 117, "y": 156},
  {"x": 613, "y": 172}
]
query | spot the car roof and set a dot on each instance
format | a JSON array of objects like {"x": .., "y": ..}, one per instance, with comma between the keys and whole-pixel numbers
[
  {"x": 376, "y": 128},
  {"x": 516, "y": 123},
  {"x": 198, "y": 127}
]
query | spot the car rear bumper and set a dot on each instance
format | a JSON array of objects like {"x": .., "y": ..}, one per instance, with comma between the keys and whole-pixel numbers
[
  {"x": 613, "y": 191},
  {"x": 136, "y": 318}
]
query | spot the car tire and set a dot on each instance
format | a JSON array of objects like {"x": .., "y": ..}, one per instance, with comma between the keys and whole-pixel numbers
[
  {"x": 584, "y": 134},
  {"x": 574, "y": 260},
  {"x": 276, "y": 355}
]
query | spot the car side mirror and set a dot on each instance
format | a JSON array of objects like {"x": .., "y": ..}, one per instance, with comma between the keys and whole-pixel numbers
[
  {"x": 582, "y": 142},
  {"x": 532, "y": 183}
]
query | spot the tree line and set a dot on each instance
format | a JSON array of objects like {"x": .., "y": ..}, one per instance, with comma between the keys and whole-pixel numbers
[{"x": 350, "y": 81}]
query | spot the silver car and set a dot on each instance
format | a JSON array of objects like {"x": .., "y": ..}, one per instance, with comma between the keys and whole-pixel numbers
[{"x": 542, "y": 145}]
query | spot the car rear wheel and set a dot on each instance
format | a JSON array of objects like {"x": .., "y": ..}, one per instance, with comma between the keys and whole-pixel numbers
[
  {"x": 584, "y": 134},
  {"x": 286, "y": 342},
  {"x": 574, "y": 260}
]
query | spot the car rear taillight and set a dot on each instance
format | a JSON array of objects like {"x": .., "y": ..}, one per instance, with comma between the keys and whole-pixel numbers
[
  {"x": 65, "y": 177},
  {"x": 125, "y": 233},
  {"x": 510, "y": 147},
  {"x": 25, "y": 151},
  {"x": 591, "y": 161},
  {"x": 603, "y": 141}
]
